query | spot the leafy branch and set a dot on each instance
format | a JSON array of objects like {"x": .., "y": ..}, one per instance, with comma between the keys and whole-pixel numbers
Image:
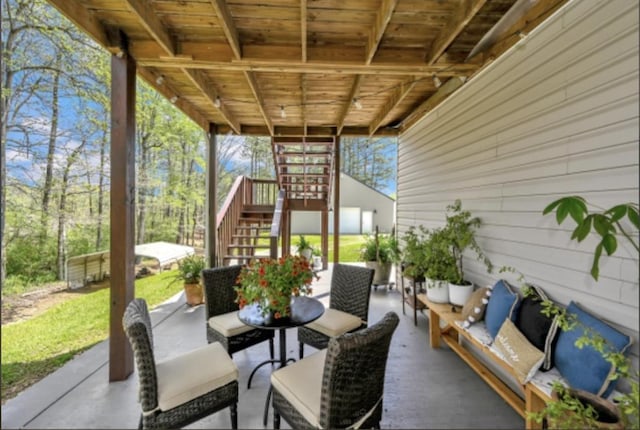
[{"x": 607, "y": 224}]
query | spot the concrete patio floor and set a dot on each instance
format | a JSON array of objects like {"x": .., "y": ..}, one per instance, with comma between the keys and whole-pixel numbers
[{"x": 424, "y": 388}]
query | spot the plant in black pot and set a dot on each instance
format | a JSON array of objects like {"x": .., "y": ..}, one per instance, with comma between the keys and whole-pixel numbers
[
  {"x": 460, "y": 232},
  {"x": 379, "y": 252}
]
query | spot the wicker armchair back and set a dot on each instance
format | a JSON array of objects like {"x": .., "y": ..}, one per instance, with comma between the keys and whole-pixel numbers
[
  {"x": 351, "y": 289},
  {"x": 352, "y": 380},
  {"x": 220, "y": 296}
]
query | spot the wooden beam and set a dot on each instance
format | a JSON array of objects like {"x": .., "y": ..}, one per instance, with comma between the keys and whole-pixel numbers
[
  {"x": 123, "y": 197},
  {"x": 202, "y": 82},
  {"x": 277, "y": 65},
  {"x": 465, "y": 11},
  {"x": 380, "y": 25},
  {"x": 188, "y": 108},
  {"x": 229, "y": 28},
  {"x": 303, "y": 29},
  {"x": 355, "y": 89},
  {"x": 150, "y": 21},
  {"x": 443, "y": 92},
  {"x": 396, "y": 97},
  {"x": 82, "y": 19},
  {"x": 255, "y": 89}
]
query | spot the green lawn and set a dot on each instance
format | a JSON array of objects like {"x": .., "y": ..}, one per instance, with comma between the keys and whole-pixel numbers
[
  {"x": 349, "y": 246},
  {"x": 33, "y": 348}
]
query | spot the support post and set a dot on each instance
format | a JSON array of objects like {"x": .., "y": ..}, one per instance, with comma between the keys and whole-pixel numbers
[
  {"x": 324, "y": 225},
  {"x": 212, "y": 199},
  {"x": 336, "y": 202},
  {"x": 122, "y": 250}
]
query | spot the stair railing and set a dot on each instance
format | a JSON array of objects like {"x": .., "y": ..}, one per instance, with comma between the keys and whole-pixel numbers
[{"x": 244, "y": 192}]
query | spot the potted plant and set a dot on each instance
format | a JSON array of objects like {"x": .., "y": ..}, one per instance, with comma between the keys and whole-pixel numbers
[
  {"x": 460, "y": 231},
  {"x": 317, "y": 259},
  {"x": 272, "y": 282},
  {"x": 440, "y": 264},
  {"x": 413, "y": 253},
  {"x": 304, "y": 248},
  {"x": 190, "y": 272},
  {"x": 379, "y": 252}
]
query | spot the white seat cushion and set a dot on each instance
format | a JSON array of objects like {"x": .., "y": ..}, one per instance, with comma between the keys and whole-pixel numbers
[
  {"x": 193, "y": 374},
  {"x": 334, "y": 323},
  {"x": 228, "y": 324},
  {"x": 301, "y": 384}
]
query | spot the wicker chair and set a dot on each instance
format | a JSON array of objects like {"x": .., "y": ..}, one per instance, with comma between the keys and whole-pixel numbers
[
  {"x": 182, "y": 389},
  {"x": 339, "y": 387},
  {"x": 223, "y": 324},
  {"x": 348, "y": 307}
]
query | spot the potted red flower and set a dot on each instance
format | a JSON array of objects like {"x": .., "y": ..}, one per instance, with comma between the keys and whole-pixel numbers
[{"x": 272, "y": 282}]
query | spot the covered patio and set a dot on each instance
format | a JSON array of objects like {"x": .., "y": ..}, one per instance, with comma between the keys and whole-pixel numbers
[{"x": 424, "y": 388}]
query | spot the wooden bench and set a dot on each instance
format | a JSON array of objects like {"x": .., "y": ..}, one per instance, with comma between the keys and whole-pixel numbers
[{"x": 443, "y": 328}]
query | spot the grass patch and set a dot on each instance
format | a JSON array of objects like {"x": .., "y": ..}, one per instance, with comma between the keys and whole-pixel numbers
[
  {"x": 350, "y": 245},
  {"x": 34, "y": 348}
]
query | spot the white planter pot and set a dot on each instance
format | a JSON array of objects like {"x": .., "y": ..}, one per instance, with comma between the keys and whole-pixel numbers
[
  {"x": 437, "y": 291},
  {"x": 459, "y": 294},
  {"x": 381, "y": 272},
  {"x": 317, "y": 262},
  {"x": 306, "y": 253}
]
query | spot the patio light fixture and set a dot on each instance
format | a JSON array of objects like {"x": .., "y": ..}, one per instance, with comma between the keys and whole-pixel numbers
[
  {"x": 173, "y": 99},
  {"x": 357, "y": 103},
  {"x": 218, "y": 102},
  {"x": 160, "y": 80},
  {"x": 283, "y": 114},
  {"x": 436, "y": 81}
]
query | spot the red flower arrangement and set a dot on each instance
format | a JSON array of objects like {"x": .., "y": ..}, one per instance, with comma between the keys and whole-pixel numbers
[{"x": 271, "y": 283}]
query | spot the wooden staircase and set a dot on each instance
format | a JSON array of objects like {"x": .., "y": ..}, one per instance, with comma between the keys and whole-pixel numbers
[{"x": 251, "y": 236}]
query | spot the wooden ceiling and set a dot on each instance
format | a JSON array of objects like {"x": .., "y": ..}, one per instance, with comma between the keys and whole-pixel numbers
[{"x": 306, "y": 67}]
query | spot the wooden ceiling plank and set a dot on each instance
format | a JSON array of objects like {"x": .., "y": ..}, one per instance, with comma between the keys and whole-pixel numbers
[
  {"x": 200, "y": 80},
  {"x": 303, "y": 29},
  {"x": 382, "y": 20},
  {"x": 229, "y": 28},
  {"x": 438, "y": 97},
  {"x": 355, "y": 89},
  {"x": 255, "y": 89},
  {"x": 465, "y": 11},
  {"x": 396, "y": 97},
  {"x": 303, "y": 101},
  {"x": 150, "y": 21}
]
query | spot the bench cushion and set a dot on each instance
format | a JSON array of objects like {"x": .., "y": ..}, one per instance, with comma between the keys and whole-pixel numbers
[
  {"x": 539, "y": 329},
  {"x": 503, "y": 304},
  {"x": 585, "y": 368},
  {"x": 191, "y": 375}
]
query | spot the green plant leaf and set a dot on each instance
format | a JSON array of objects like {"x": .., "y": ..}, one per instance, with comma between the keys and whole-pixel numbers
[
  {"x": 610, "y": 243},
  {"x": 551, "y": 206},
  {"x": 582, "y": 230},
  {"x": 595, "y": 269},
  {"x": 632, "y": 213},
  {"x": 617, "y": 212},
  {"x": 577, "y": 209},
  {"x": 602, "y": 224},
  {"x": 562, "y": 212}
]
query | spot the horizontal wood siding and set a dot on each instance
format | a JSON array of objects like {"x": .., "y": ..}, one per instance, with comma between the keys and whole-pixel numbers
[{"x": 557, "y": 115}]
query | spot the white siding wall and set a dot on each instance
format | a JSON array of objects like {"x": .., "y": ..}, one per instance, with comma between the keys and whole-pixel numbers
[{"x": 555, "y": 116}]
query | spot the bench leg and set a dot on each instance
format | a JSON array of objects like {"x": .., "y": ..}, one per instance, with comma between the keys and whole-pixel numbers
[
  {"x": 533, "y": 403},
  {"x": 434, "y": 329}
]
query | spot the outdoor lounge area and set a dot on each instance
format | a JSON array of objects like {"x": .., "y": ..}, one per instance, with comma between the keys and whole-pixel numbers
[
  {"x": 505, "y": 105},
  {"x": 424, "y": 387}
]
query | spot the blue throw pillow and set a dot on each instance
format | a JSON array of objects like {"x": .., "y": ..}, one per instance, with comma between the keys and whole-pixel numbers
[
  {"x": 585, "y": 368},
  {"x": 503, "y": 304}
]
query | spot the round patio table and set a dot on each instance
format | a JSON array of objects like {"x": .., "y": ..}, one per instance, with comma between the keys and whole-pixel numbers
[{"x": 303, "y": 311}]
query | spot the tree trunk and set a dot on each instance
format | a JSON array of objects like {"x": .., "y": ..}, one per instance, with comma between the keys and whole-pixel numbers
[
  {"x": 103, "y": 151},
  {"x": 51, "y": 150}
]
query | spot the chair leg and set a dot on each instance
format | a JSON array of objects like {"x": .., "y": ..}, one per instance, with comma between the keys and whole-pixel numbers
[
  {"x": 301, "y": 353},
  {"x": 276, "y": 420},
  {"x": 271, "y": 348},
  {"x": 234, "y": 415},
  {"x": 140, "y": 423}
]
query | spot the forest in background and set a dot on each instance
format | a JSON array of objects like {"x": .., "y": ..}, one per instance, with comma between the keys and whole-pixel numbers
[{"x": 55, "y": 152}]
